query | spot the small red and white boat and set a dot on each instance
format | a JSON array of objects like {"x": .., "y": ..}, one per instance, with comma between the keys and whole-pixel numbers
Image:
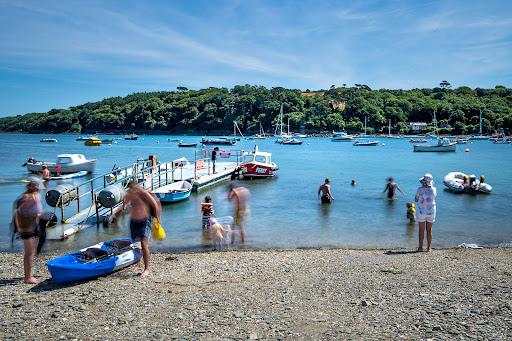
[{"x": 257, "y": 164}]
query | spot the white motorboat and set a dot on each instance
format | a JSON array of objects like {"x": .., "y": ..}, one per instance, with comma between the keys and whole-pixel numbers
[
  {"x": 442, "y": 144},
  {"x": 289, "y": 140},
  {"x": 257, "y": 164},
  {"x": 69, "y": 163},
  {"x": 341, "y": 137},
  {"x": 365, "y": 143},
  {"x": 462, "y": 140},
  {"x": 49, "y": 140},
  {"x": 454, "y": 181}
]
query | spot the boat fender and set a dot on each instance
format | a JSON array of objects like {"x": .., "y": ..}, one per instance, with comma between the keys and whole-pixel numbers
[
  {"x": 61, "y": 195},
  {"x": 111, "y": 195}
]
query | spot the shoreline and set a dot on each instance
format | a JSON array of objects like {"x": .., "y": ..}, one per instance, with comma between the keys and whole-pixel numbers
[{"x": 271, "y": 294}]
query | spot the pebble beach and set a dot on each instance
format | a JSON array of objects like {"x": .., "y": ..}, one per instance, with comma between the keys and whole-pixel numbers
[{"x": 302, "y": 294}]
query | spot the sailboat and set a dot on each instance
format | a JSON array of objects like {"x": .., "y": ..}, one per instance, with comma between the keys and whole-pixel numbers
[
  {"x": 285, "y": 138},
  {"x": 365, "y": 142},
  {"x": 442, "y": 145},
  {"x": 236, "y": 129},
  {"x": 480, "y": 136},
  {"x": 260, "y": 136}
]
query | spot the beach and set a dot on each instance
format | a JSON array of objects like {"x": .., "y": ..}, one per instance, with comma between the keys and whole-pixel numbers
[{"x": 300, "y": 294}]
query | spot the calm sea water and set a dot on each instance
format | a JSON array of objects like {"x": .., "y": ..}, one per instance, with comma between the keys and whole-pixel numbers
[{"x": 285, "y": 211}]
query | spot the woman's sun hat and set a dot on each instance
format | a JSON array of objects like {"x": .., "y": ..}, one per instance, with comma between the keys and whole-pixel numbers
[{"x": 427, "y": 180}]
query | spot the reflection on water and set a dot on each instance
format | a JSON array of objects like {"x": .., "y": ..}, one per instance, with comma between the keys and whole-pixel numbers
[{"x": 285, "y": 211}]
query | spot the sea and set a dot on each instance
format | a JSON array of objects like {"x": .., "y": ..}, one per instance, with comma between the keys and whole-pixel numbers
[{"x": 285, "y": 211}]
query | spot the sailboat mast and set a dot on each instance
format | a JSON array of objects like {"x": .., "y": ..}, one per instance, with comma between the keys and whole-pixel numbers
[
  {"x": 365, "y": 119},
  {"x": 288, "y": 126},
  {"x": 281, "y": 117},
  {"x": 480, "y": 121},
  {"x": 389, "y": 128}
]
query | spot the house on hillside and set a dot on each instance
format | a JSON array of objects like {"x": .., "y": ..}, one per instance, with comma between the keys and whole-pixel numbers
[{"x": 417, "y": 126}]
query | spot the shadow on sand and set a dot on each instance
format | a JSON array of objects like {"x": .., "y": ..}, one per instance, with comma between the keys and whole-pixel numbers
[{"x": 399, "y": 252}]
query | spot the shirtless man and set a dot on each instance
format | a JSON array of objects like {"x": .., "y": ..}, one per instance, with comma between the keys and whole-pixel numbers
[
  {"x": 143, "y": 207},
  {"x": 45, "y": 174},
  {"x": 325, "y": 189},
  {"x": 241, "y": 197}
]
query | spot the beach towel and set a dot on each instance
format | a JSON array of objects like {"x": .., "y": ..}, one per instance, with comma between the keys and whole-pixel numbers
[{"x": 469, "y": 246}]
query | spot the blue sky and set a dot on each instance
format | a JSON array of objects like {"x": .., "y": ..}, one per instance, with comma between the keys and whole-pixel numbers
[{"x": 55, "y": 54}]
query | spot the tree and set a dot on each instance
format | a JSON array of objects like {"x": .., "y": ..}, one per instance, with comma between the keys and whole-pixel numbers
[
  {"x": 445, "y": 85},
  {"x": 182, "y": 88}
]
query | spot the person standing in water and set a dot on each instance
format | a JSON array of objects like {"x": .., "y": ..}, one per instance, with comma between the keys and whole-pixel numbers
[
  {"x": 143, "y": 208},
  {"x": 325, "y": 189},
  {"x": 26, "y": 221},
  {"x": 426, "y": 210},
  {"x": 45, "y": 173},
  {"x": 240, "y": 195},
  {"x": 391, "y": 188}
]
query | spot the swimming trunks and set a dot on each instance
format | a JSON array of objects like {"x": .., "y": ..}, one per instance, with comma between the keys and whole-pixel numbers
[
  {"x": 140, "y": 229},
  {"x": 325, "y": 199}
]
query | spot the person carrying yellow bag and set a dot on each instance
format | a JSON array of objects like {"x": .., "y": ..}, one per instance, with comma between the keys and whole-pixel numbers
[{"x": 157, "y": 231}]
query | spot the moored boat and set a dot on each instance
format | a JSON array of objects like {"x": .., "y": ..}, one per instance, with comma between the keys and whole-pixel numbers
[
  {"x": 94, "y": 261},
  {"x": 417, "y": 141},
  {"x": 48, "y": 140},
  {"x": 461, "y": 140},
  {"x": 442, "y": 145},
  {"x": 365, "y": 143},
  {"x": 454, "y": 181},
  {"x": 218, "y": 141},
  {"x": 131, "y": 137},
  {"x": 69, "y": 163},
  {"x": 341, "y": 137},
  {"x": 177, "y": 191},
  {"x": 93, "y": 141},
  {"x": 187, "y": 145},
  {"x": 289, "y": 140},
  {"x": 257, "y": 164}
]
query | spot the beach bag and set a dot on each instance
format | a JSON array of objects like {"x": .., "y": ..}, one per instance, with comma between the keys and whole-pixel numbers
[{"x": 157, "y": 231}]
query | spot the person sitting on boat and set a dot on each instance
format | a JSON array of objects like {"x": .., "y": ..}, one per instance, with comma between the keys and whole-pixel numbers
[
  {"x": 391, "y": 188},
  {"x": 465, "y": 182},
  {"x": 325, "y": 189},
  {"x": 472, "y": 182},
  {"x": 208, "y": 212}
]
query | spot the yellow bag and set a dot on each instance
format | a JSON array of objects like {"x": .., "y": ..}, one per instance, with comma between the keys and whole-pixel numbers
[{"x": 157, "y": 231}]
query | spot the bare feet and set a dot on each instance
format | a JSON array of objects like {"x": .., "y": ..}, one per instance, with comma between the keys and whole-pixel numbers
[
  {"x": 429, "y": 249},
  {"x": 419, "y": 249},
  {"x": 144, "y": 273},
  {"x": 31, "y": 280}
]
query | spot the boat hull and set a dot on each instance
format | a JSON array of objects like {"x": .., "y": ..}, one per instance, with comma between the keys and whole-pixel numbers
[
  {"x": 175, "y": 192},
  {"x": 257, "y": 170},
  {"x": 87, "y": 166},
  {"x": 71, "y": 267},
  {"x": 445, "y": 148},
  {"x": 454, "y": 182}
]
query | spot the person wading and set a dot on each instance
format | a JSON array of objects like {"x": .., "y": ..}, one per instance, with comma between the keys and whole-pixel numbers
[{"x": 325, "y": 189}]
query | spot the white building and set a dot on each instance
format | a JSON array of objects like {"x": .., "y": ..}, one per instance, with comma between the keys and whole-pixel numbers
[{"x": 417, "y": 126}]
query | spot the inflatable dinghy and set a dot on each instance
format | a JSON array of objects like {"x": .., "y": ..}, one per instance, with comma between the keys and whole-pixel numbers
[
  {"x": 69, "y": 176},
  {"x": 454, "y": 181},
  {"x": 94, "y": 261}
]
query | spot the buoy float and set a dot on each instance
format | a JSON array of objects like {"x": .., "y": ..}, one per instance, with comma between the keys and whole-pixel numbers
[{"x": 466, "y": 150}]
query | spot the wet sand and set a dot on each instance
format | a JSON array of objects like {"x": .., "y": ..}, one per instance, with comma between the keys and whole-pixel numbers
[{"x": 326, "y": 294}]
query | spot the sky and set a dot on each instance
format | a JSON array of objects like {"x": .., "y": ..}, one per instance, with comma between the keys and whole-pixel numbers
[{"x": 56, "y": 54}]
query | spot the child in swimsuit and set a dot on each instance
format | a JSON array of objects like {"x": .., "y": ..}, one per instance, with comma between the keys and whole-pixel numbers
[
  {"x": 208, "y": 212},
  {"x": 411, "y": 212}
]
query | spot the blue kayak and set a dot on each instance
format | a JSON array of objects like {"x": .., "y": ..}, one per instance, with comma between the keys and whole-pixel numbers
[{"x": 94, "y": 261}]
